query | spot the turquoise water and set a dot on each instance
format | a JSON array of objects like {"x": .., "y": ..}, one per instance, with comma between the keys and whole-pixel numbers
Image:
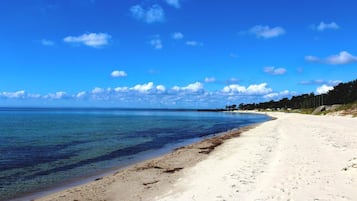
[{"x": 42, "y": 148}]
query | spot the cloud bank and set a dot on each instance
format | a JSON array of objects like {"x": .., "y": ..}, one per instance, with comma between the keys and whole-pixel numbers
[{"x": 151, "y": 95}]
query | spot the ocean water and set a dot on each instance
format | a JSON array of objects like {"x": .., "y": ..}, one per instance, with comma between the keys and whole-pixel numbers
[{"x": 44, "y": 148}]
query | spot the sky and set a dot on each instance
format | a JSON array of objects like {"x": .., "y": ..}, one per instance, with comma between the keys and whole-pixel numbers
[{"x": 172, "y": 53}]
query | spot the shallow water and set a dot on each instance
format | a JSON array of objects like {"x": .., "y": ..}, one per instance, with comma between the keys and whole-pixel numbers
[{"x": 40, "y": 148}]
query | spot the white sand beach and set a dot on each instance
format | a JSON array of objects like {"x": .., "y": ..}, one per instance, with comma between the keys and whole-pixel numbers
[{"x": 295, "y": 157}]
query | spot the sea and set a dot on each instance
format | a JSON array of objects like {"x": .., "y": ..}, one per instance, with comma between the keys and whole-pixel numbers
[{"x": 46, "y": 149}]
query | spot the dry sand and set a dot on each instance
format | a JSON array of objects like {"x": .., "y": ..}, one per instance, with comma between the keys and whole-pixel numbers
[{"x": 296, "y": 157}]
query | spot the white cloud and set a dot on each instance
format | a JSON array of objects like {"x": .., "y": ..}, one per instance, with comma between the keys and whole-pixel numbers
[
  {"x": 177, "y": 35},
  {"x": 266, "y": 32},
  {"x": 97, "y": 90},
  {"x": 143, "y": 88},
  {"x": 155, "y": 14},
  {"x": 193, "y": 43},
  {"x": 323, "y": 89},
  {"x": 319, "y": 82},
  {"x": 17, "y": 94},
  {"x": 210, "y": 79},
  {"x": 57, "y": 95},
  {"x": 89, "y": 39},
  {"x": 121, "y": 89},
  {"x": 277, "y": 95},
  {"x": 152, "y": 14},
  {"x": 258, "y": 89},
  {"x": 156, "y": 43},
  {"x": 22, "y": 94},
  {"x": 343, "y": 57},
  {"x": 33, "y": 95},
  {"x": 274, "y": 71},
  {"x": 46, "y": 42},
  {"x": 138, "y": 12},
  {"x": 81, "y": 94},
  {"x": 254, "y": 89},
  {"x": 323, "y": 26},
  {"x": 194, "y": 87},
  {"x": 161, "y": 88},
  {"x": 271, "y": 95},
  {"x": 174, "y": 3},
  {"x": 150, "y": 95},
  {"x": 118, "y": 73},
  {"x": 147, "y": 88},
  {"x": 234, "y": 88},
  {"x": 334, "y": 82}
]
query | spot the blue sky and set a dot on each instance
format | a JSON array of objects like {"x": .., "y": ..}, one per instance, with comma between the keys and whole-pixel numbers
[{"x": 172, "y": 53}]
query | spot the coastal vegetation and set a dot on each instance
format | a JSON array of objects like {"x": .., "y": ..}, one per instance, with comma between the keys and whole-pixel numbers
[{"x": 343, "y": 97}]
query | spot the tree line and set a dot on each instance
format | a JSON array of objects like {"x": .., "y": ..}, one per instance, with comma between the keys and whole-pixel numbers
[{"x": 343, "y": 93}]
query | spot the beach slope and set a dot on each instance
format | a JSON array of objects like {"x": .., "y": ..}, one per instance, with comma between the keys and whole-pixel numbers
[{"x": 295, "y": 157}]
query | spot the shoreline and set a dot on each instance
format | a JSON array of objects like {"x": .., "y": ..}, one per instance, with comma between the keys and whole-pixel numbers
[
  {"x": 159, "y": 155},
  {"x": 26, "y": 192},
  {"x": 163, "y": 167},
  {"x": 295, "y": 157},
  {"x": 75, "y": 182}
]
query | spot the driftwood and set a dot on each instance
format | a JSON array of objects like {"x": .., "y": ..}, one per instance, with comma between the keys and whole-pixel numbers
[
  {"x": 149, "y": 183},
  {"x": 173, "y": 170}
]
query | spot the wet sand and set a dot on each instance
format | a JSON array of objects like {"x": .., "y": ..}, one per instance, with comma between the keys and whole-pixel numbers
[{"x": 145, "y": 180}]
